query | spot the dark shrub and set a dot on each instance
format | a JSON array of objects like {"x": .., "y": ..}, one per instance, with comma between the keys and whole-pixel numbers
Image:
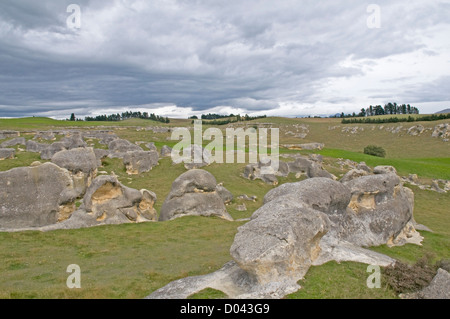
[
  {"x": 375, "y": 151},
  {"x": 404, "y": 278}
]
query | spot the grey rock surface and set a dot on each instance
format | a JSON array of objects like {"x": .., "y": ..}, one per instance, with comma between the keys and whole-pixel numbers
[
  {"x": 7, "y": 153},
  {"x": 194, "y": 193},
  {"x": 35, "y": 196},
  {"x": 137, "y": 162},
  {"x": 13, "y": 142}
]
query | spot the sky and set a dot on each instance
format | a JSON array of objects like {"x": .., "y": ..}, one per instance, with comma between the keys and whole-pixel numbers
[{"x": 179, "y": 58}]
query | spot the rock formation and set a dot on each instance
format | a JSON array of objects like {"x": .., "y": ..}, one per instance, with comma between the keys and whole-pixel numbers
[
  {"x": 194, "y": 193},
  {"x": 82, "y": 163},
  {"x": 35, "y": 196},
  {"x": 7, "y": 153},
  {"x": 310, "y": 223},
  {"x": 137, "y": 162}
]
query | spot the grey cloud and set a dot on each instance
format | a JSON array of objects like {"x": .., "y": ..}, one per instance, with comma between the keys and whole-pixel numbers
[{"x": 199, "y": 54}]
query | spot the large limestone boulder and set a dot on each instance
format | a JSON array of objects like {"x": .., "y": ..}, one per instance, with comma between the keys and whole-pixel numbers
[
  {"x": 107, "y": 202},
  {"x": 137, "y": 162},
  {"x": 35, "y": 196},
  {"x": 111, "y": 202},
  {"x": 381, "y": 210},
  {"x": 279, "y": 245},
  {"x": 82, "y": 163},
  {"x": 77, "y": 160},
  {"x": 194, "y": 193}
]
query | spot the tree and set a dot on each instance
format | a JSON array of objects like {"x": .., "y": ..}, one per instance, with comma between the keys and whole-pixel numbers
[{"x": 72, "y": 117}]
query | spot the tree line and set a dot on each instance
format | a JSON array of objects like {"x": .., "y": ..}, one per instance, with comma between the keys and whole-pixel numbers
[
  {"x": 123, "y": 116},
  {"x": 217, "y": 119},
  {"x": 387, "y": 109},
  {"x": 378, "y": 120}
]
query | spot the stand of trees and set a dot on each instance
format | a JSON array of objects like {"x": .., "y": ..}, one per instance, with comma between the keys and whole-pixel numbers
[
  {"x": 387, "y": 109},
  {"x": 128, "y": 115},
  {"x": 368, "y": 120}
]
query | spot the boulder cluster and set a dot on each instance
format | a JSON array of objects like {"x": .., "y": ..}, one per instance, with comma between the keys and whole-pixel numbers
[{"x": 309, "y": 223}]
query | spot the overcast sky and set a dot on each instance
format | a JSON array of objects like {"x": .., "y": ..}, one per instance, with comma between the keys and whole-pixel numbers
[{"x": 178, "y": 58}]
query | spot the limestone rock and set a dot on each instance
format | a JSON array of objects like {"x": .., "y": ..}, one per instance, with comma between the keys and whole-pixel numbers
[
  {"x": 73, "y": 141},
  {"x": 119, "y": 147},
  {"x": 384, "y": 170},
  {"x": 151, "y": 146},
  {"x": 44, "y": 135},
  {"x": 224, "y": 193},
  {"x": 352, "y": 174},
  {"x": 32, "y": 146},
  {"x": 442, "y": 131},
  {"x": 52, "y": 149},
  {"x": 110, "y": 202},
  {"x": 13, "y": 142},
  {"x": 35, "y": 196},
  {"x": 193, "y": 193},
  {"x": 138, "y": 162},
  {"x": 416, "y": 130},
  {"x": 279, "y": 245},
  {"x": 380, "y": 209},
  {"x": 81, "y": 163},
  {"x": 77, "y": 160},
  {"x": 166, "y": 151},
  {"x": 7, "y": 153},
  {"x": 9, "y": 134}
]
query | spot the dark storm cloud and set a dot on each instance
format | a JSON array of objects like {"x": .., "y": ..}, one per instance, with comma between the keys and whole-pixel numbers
[{"x": 250, "y": 55}]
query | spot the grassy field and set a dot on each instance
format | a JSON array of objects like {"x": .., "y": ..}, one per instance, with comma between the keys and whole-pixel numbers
[{"x": 132, "y": 260}]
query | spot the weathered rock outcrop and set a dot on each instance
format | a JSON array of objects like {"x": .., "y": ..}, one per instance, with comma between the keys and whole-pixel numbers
[
  {"x": 194, "y": 193},
  {"x": 7, "y": 153},
  {"x": 35, "y": 147},
  {"x": 9, "y": 134},
  {"x": 110, "y": 202},
  {"x": 106, "y": 201},
  {"x": 81, "y": 163},
  {"x": 279, "y": 245},
  {"x": 52, "y": 149},
  {"x": 13, "y": 142},
  {"x": 119, "y": 147},
  {"x": 35, "y": 196},
  {"x": 300, "y": 166},
  {"x": 137, "y": 162},
  {"x": 309, "y": 223}
]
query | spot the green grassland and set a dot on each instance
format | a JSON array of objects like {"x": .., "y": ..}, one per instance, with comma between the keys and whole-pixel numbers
[{"x": 132, "y": 260}]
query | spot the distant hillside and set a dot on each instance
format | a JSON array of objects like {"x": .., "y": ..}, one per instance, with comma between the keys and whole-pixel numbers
[{"x": 443, "y": 111}]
